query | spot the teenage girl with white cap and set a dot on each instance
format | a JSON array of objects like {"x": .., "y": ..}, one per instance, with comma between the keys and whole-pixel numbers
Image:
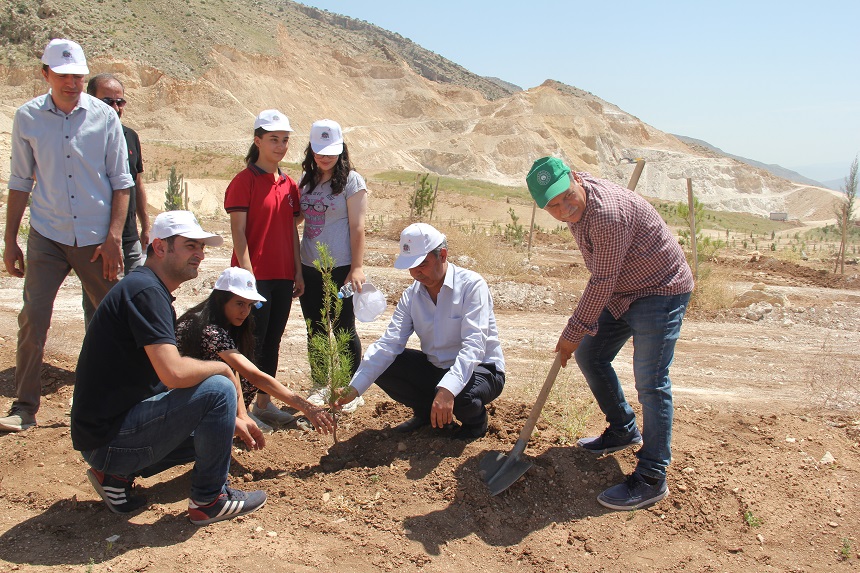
[
  {"x": 263, "y": 203},
  {"x": 333, "y": 207}
]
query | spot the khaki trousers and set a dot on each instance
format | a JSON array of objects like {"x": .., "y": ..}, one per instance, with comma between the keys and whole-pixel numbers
[{"x": 48, "y": 263}]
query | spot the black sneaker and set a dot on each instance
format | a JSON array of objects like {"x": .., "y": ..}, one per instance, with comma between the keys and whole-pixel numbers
[
  {"x": 231, "y": 503},
  {"x": 634, "y": 493},
  {"x": 117, "y": 492},
  {"x": 473, "y": 431},
  {"x": 610, "y": 441},
  {"x": 412, "y": 424}
]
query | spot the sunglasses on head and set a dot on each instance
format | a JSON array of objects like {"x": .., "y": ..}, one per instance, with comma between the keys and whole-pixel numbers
[{"x": 111, "y": 101}]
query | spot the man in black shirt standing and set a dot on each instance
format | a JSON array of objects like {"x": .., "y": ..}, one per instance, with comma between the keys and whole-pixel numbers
[{"x": 110, "y": 90}]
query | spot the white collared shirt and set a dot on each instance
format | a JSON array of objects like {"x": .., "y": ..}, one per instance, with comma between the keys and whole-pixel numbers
[{"x": 457, "y": 332}]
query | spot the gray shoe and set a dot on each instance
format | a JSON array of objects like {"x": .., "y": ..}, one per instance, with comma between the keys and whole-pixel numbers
[
  {"x": 264, "y": 427},
  {"x": 17, "y": 420},
  {"x": 272, "y": 415}
]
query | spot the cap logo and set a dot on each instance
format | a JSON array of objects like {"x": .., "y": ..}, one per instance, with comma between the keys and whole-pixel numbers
[
  {"x": 276, "y": 117},
  {"x": 406, "y": 248},
  {"x": 67, "y": 54},
  {"x": 544, "y": 177},
  {"x": 249, "y": 284},
  {"x": 325, "y": 135}
]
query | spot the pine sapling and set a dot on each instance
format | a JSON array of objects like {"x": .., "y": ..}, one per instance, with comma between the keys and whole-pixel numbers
[{"x": 328, "y": 350}]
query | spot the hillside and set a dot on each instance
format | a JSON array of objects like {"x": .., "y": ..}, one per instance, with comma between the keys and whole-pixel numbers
[
  {"x": 777, "y": 170},
  {"x": 196, "y": 77}
]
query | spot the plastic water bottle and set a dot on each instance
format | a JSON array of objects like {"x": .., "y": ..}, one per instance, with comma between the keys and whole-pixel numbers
[{"x": 345, "y": 291}]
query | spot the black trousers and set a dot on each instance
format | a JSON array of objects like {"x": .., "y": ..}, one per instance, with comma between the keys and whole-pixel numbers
[
  {"x": 270, "y": 321},
  {"x": 412, "y": 378},
  {"x": 312, "y": 304}
]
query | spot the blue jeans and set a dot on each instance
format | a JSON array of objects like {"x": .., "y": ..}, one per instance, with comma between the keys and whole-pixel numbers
[
  {"x": 172, "y": 428},
  {"x": 654, "y": 322}
]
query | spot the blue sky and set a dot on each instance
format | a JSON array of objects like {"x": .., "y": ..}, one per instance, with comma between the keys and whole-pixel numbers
[{"x": 777, "y": 82}]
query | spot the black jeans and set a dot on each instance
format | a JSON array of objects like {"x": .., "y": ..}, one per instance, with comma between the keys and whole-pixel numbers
[
  {"x": 271, "y": 321},
  {"x": 412, "y": 378},
  {"x": 312, "y": 304}
]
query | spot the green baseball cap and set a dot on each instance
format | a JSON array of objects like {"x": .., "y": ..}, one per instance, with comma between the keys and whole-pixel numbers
[{"x": 549, "y": 176}]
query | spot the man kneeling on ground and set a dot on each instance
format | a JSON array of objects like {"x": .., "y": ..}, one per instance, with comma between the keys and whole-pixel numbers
[
  {"x": 460, "y": 368},
  {"x": 139, "y": 407}
]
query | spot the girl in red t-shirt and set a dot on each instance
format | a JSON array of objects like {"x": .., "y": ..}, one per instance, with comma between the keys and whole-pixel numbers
[{"x": 263, "y": 203}]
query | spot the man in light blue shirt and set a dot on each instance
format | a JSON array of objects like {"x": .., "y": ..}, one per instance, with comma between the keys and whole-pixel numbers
[
  {"x": 460, "y": 367},
  {"x": 70, "y": 160}
]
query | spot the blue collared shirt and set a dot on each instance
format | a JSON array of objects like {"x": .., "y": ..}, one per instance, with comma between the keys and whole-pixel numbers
[
  {"x": 457, "y": 332},
  {"x": 71, "y": 164}
]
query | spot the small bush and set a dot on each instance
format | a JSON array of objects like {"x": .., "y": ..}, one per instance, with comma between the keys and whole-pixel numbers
[{"x": 173, "y": 194}]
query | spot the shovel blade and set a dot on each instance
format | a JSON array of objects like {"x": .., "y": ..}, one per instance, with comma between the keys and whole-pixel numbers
[{"x": 499, "y": 471}]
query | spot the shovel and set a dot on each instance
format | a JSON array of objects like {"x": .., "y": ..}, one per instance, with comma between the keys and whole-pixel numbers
[{"x": 500, "y": 471}]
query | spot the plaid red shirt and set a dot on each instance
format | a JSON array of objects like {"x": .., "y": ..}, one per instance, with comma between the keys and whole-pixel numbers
[{"x": 628, "y": 249}]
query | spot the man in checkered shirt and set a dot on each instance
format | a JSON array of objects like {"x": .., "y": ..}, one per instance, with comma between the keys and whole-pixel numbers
[{"x": 640, "y": 286}]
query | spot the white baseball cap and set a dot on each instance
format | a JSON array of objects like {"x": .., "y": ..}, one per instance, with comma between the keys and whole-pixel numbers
[
  {"x": 240, "y": 282},
  {"x": 326, "y": 137},
  {"x": 272, "y": 120},
  {"x": 416, "y": 242},
  {"x": 184, "y": 224},
  {"x": 65, "y": 57}
]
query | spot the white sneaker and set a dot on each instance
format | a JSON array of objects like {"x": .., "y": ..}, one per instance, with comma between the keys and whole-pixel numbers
[
  {"x": 272, "y": 415},
  {"x": 264, "y": 427},
  {"x": 319, "y": 397}
]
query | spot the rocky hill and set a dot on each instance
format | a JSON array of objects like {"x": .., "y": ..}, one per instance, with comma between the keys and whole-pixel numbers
[{"x": 197, "y": 73}]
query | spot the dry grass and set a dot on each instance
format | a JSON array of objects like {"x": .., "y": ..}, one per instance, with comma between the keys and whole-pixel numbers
[
  {"x": 488, "y": 253},
  {"x": 833, "y": 377},
  {"x": 570, "y": 403},
  {"x": 713, "y": 292}
]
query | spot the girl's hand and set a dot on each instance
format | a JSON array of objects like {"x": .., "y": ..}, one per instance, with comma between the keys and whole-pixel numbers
[
  {"x": 323, "y": 422},
  {"x": 248, "y": 432},
  {"x": 298, "y": 285},
  {"x": 356, "y": 277}
]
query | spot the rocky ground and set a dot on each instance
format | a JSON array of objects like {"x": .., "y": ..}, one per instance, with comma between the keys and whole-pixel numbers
[{"x": 766, "y": 448}]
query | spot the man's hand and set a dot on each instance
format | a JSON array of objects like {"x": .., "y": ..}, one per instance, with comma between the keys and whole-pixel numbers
[
  {"x": 13, "y": 258},
  {"x": 347, "y": 395},
  {"x": 111, "y": 253},
  {"x": 442, "y": 412},
  {"x": 248, "y": 432},
  {"x": 565, "y": 348},
  {"x": 144, "y": 238}
]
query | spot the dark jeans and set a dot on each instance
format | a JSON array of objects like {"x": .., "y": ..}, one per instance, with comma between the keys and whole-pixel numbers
[
  {"x": 412, "y": 378},
  {"x": 312, "y": 305},
  {"x": 270, "y": 321}
]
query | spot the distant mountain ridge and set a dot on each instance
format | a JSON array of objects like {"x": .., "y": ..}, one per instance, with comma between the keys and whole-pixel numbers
[
  {"x": 197, "y": 73},
  {"x": 777, "y": 170}
]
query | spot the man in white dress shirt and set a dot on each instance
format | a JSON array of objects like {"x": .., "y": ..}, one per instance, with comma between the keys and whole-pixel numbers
[{"x": 460, "y": 368}]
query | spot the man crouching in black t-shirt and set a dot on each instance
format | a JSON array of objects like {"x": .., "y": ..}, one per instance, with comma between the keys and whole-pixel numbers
[{"x": 139, "y": 407}]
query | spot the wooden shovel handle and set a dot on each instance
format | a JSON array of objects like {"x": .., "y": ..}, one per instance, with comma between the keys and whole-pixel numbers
[{"x": 541, "y": 400}]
